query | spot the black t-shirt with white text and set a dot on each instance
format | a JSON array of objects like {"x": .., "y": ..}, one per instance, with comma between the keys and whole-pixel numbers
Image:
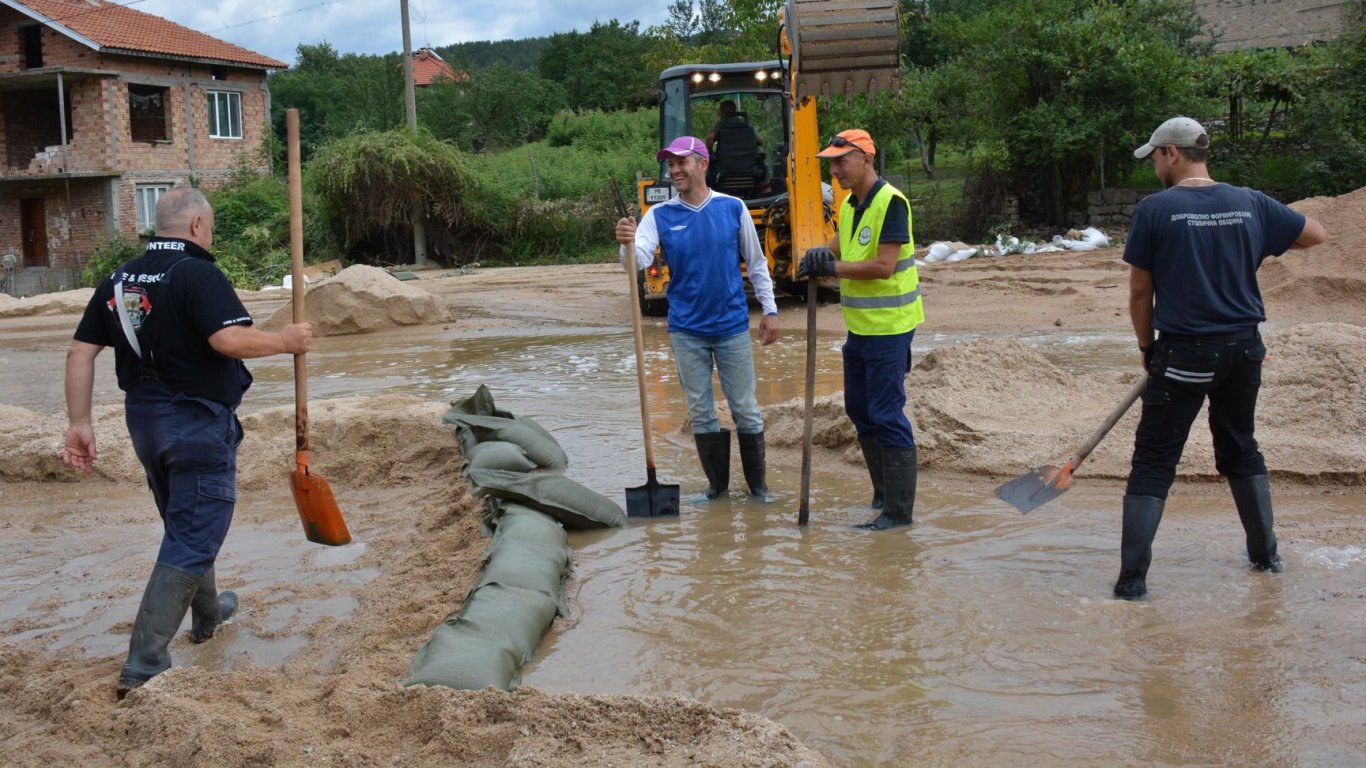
[{"x": 175, "y": 299}]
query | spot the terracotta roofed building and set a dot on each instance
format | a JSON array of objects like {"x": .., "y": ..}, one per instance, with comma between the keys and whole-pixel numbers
[{"x": 102, "y": 109}]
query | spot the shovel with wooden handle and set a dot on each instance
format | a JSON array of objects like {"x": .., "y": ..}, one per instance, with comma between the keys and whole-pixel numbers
[
  {"x": 652, "y": 499},
  {"x": 323, "y": 523},
  {"x": 1041, "y": 485}
]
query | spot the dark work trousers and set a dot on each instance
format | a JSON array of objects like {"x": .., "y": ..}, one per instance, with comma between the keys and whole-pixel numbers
[
  {"x": 188, "y": 448},
  {"x": 1185, "y": 370},
  {"x": 875, "y": 369}
]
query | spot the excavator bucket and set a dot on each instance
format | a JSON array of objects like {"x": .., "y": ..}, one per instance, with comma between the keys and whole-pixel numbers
[{"x": 844, "y": 47}]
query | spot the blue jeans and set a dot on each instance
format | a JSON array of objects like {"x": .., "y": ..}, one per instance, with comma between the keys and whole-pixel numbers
[
  {"x": 188, "y": 448},
  {"x": 875, "y": 369},
  {"x": 734, "y": 361},
  {"x": 1226, "y": 368}
]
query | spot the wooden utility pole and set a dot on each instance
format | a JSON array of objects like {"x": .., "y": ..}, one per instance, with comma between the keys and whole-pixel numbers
[{"x": 410, "y": 99}]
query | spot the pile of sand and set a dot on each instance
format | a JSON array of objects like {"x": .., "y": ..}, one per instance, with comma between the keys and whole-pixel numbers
[
  {"x": 62, "y": 303},
  {"x": 1331, "y": 274},
  {"x": 1000, "y": 407},
  {"x": 360, "y": 299},
  {"x": 377, "y": 441}
]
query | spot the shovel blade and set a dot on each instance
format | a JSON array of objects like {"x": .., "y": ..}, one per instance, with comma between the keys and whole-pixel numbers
[
  {"x": 1035, "y": 488},
  {"x": 652, "y": 499},
  {"x": 323, "y": 523}
]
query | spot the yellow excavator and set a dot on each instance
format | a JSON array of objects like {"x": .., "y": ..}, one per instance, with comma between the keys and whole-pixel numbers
[{"x": 759, "y": 119}]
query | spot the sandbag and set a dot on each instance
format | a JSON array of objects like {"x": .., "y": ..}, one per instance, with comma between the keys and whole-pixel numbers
[
  {"x": 575, "y": 506},
  {"x": 468, "y": 657},
  {"x": 537, "y": 567},
  {"x": 540, "y": 446},
  {"x": 499, "y": 454},
  {"x": 479, "y": 404},
  {"x": 522, "y": 616}
]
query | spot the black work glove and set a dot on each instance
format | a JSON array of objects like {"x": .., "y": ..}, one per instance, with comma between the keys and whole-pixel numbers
[
  {"x": 818, "y": 262},
  {"x": 1147, "y": 356}
]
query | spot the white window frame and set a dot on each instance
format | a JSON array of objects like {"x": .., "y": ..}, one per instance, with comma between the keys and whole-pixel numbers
[
  {"x": 225, "y": 115},
  {"x": 146, "y": 197}
]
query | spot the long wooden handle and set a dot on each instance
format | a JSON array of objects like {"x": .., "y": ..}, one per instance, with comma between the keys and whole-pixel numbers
[
  {"x": 296, "y": 253},
  {"x": 1109, "y": 423},
  {"x": 639, "y": 334},
  {"x": 640, "y": 361},
  {"x": 804, "y": 511}
]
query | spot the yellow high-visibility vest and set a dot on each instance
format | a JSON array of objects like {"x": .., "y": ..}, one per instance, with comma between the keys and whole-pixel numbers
[{"x": 878, "y": 307}]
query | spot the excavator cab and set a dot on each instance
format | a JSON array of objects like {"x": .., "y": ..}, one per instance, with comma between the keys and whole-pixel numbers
[{"x": 740, "y": 111}]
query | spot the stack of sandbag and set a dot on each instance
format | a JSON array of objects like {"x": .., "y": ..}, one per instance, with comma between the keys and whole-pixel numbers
[{"x": 521, "y": 589}]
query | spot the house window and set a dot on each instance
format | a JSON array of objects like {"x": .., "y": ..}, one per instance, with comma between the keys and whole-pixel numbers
[
  {"x": 32, "y": 38},
  {"x": 147, "y": 196},
  {"x": 147, "y": 113},
  {"x": 225, "y": 115}
]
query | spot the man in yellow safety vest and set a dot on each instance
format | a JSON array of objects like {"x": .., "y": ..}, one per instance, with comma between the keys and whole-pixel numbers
[{"x": 873, "y": 255}]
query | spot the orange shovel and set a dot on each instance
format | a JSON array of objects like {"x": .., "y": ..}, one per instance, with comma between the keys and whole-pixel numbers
[{"x": 323, "y": 523}]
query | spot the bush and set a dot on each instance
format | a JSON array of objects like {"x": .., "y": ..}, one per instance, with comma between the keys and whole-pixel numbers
[{"x": 115, "y": 252}]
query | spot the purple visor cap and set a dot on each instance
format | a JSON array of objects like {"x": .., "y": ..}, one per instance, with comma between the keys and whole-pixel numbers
[{"x": 682, "y": 147}]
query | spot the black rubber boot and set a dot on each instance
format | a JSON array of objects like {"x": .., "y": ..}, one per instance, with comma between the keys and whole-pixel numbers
[
  {"x": 1252, "y": 496},
  {"x": 899, "y": 471},
  {"x": 872, "y": 456},
  {"x": 713, "y": 448},
  {"x": 164, "y": 603},
  {"x": 752, "y": 461},
  {"x": 209, "y": 608},
  {"x": 1141, "y": 516}
]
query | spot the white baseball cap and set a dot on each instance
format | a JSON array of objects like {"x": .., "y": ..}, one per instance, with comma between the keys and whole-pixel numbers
[{"x": 1179, "y": 131}]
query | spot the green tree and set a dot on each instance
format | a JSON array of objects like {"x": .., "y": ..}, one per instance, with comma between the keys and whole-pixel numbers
[
  {"x": 1069, "y": 87},
  {"x": 1331, "y": 120},
  {"x": 601, "y": 68},
  {"x": 500, "y": 106}
]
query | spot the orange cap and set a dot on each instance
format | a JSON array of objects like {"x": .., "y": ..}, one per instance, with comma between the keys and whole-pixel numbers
[{"x": 845, "y": 142}]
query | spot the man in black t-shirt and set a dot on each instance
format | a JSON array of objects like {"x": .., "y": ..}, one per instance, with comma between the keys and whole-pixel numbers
[
  {"x": 1193, "y": 252},
  {"x": 179, "y": 335}
]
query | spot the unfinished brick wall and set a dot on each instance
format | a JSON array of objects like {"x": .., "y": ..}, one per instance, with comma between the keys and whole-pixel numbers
[
  {"x": 100, "y": 138},
  {"x": 1241, "y": 24}
]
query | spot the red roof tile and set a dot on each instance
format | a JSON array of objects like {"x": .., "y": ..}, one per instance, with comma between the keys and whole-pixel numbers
[
  {"x": 427, "y": 66},
  {"x": 116, "y": 28}
]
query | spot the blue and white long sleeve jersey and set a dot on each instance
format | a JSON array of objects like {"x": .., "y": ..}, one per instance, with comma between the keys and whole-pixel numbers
[{"x": 703, "y": 246}]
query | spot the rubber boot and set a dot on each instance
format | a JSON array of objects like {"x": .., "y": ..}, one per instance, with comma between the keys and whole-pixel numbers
[
  {"x": 1141, "y": 516},
  {"x": 1252, "y": 496},
  {"x": 209, "y": 608},
  {"x": 899, "y": 472},
  {"x": 713, "y": 448},
  {"x": 752, "y": 461},
  {"x": 872, "y": 456},
  {"x": 164, "y": 604}
]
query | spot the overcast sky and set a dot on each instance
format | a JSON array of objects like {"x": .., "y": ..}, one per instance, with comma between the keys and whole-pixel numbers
[{"x": 374, "y": 26}]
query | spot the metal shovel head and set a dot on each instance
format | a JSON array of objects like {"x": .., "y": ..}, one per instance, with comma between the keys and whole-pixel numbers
[
  {"x": 652, "y": 499},
  {"x": 323, "y": 523},
  {"x": 1035, "y": 488}
]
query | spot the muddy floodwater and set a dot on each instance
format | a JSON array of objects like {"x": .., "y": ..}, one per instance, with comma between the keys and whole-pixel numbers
[{"x": 978, "y": 637}]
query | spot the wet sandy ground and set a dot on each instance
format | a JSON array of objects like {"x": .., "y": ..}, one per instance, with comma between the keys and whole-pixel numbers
[{"x": 979, "y": 636}]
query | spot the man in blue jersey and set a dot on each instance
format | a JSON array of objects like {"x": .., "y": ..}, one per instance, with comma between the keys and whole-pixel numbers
[
  {"x": 1193, "y": 252},
  {"x": 703, "y": 236},
  {"x": 873, "y": 255}
]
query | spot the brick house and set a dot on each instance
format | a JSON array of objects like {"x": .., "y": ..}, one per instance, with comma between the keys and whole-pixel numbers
[
  {"x": 428, "y": 66},
  {"x": 102, "y": 109}
]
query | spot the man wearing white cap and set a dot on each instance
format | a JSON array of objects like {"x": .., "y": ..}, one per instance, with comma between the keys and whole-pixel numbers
[
  {"x": 703, "y": 234},
  {"x": 1193, "y": 253}
]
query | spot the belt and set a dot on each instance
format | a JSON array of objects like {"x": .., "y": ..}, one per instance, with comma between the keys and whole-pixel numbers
[{"x": 1213, "y": 338}]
